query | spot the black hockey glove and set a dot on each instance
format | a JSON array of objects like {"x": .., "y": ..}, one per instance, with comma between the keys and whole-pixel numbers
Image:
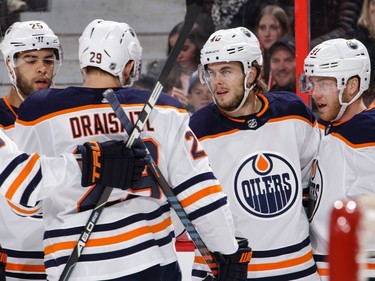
[
  {"x": 234, "y": 267},
  {"x": 3, "y": 262},
  {"x": 111, "y": 163}
]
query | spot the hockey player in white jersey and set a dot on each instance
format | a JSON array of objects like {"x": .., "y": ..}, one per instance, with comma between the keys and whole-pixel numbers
[
  {"x": 32, "y": 55},
  {"x": 20, "y": 173},
  {"x": 261, "y": 147},
  {"x": 338, "y": 72},
  {"x": 134, "y": 238}
]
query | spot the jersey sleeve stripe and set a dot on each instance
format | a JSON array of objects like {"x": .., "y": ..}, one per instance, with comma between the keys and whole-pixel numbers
[
  {"x": 22, "y": 176},
  {"x": 24, "y": 211},
  {"x": 56, "y": 233},
  {"x": 208, "y": 209},
  {"x": 24, "y": 267},
  {"x": 201, "y": 194},
  {"x": 12, "y": 166},
  {"x": 283, "y": 264},
  {"x": 197, "y": 179},
  {"x": 31, "y": 187},
  {"x": 111, "y": 240},
  {"x": 110, "y": 255}
]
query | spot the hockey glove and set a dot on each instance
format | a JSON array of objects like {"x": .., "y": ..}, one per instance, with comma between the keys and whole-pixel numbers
[
  {"x": 234, "y": 267},
  {"x": 111, "y": 163}
]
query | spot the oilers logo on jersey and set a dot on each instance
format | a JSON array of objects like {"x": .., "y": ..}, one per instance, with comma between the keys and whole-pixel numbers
[
  {"x": 316, "y": 190},
  {"x": 266, "y": 185}
]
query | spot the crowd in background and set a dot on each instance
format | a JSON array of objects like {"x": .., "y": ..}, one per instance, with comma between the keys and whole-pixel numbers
[{"x": 273, "y": 23}]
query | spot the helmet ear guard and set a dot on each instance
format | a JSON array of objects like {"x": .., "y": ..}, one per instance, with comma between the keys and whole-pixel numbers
[
  {"x": 304, "y": 84},
  {"x": 109, "y": 46},
  {"x": 201, "y": 75}
]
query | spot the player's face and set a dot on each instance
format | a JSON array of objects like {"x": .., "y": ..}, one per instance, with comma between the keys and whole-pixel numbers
[
  {"x": 199, "y": 96},
  {"x": 186, "y": 56},
  {"x": 34, "y": 70},
  {"x": 268, "y": 32},
  {"x": 283, "y": 66},
  {"x": 227, "y": 83},
  {"x": 326, "y": 97}
]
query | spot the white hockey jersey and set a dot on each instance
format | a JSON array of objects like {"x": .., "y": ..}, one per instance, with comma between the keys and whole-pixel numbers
[
  {"x": 23, "y": 172},
  {"x": 21, "y": 238},
  {"x": 263, "y": 163},
  {"x": 343, "y": 169},
  {"x": 135, "y": 230}
]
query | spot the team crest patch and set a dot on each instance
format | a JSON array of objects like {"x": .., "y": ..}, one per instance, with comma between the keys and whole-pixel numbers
[
  {"x": 266, "y": 185},
  {"x": 316, "y": 190}
]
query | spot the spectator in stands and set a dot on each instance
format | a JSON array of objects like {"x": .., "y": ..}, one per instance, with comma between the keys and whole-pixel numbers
[
  {"x": 283, "y": 65},
  {"x": 17, "y": 6},
  {"x": 147, "y": 80},
  {"x": 187, "y": 62},
  {"x": 333, "y": 19},
  {"x": 272, "y": 24},
  {"x": 234, "y": 13},
  {"x": 366, "y": 34},
  {"x": 199, "y": 94}
]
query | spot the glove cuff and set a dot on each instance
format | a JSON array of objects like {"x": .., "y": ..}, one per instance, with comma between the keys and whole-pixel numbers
[{"x": 91, "y": 162}]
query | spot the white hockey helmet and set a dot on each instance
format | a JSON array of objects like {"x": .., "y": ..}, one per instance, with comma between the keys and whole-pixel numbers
[
  {"x": 341, "y": 59},
  {"x": 109, "y": 46},
  {"x": 234, "y": 44},
  {"x": 28, "y": 36}
]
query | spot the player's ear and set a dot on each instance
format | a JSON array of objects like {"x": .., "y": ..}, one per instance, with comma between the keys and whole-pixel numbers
[
  {"x": 128, "y": 69},
  {"x": 352, "y": 86},
  {"x": 252, "y": 75},
  {"x": 126, "y": 73}
]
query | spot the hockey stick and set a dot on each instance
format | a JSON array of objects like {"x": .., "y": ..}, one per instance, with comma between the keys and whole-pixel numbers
[
  {"x": 85, "y": 235},
  {"x": 172, "y": 199},
  {"x": 193, "y": 8}
]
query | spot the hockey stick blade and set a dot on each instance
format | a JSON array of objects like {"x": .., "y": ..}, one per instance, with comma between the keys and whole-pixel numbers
[
  {"x": 172, "y": 199},
  {"x": 193, "y": 8}
]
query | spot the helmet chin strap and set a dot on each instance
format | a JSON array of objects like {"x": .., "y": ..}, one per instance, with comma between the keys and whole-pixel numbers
[
  {"x": 344, "y": 105},
  {"x": 246, "y": 94},
  {"x": 18, "y": 93},
  {"x": 13, "y": 80}
]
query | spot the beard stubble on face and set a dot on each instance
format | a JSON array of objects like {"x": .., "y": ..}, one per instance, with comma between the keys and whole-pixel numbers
[
  {"x": 233, "y": 102},
  {"x": 25, "y": 87}
]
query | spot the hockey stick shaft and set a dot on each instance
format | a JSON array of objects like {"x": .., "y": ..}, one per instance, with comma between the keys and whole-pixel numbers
[
  {"x": 172, "y": 199},
  {"x": 193, "y": 8},
  {"x": 85, "y": 235}
]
